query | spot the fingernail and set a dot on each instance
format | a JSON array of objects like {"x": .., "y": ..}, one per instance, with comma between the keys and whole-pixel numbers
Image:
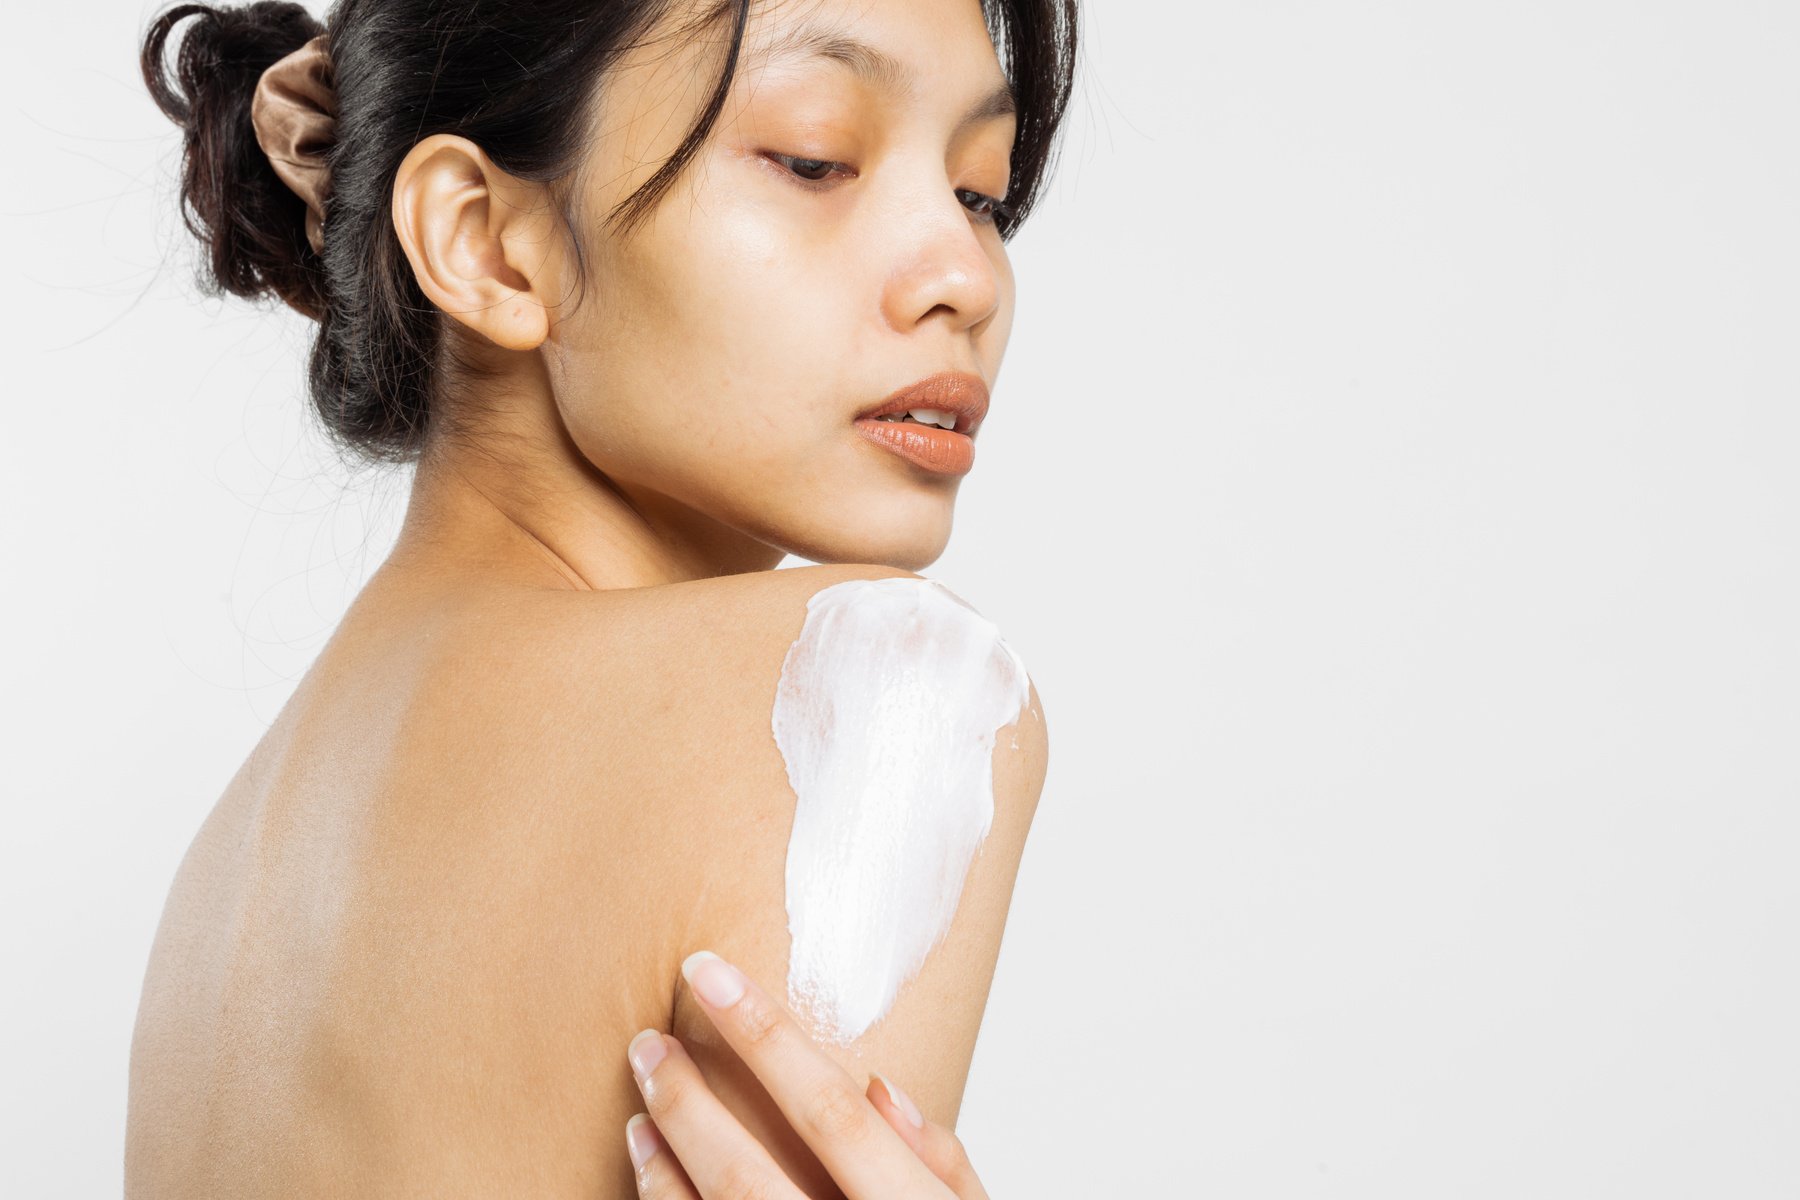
[
  {"x": 645, "y": 1051},
  {"x": 640, "y": 1141},
  {"x": 713, "y": 979},
  {"x": 902, "y": 1101}
]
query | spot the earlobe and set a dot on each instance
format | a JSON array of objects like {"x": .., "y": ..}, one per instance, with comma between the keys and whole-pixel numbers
[{"x": 479, "y": 240}]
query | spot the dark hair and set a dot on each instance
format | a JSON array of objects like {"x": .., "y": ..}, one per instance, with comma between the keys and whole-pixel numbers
[{"x": 513, "y": 77}]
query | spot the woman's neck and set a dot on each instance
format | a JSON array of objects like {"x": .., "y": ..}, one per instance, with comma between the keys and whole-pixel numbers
[{"x": 528, "y": 507}]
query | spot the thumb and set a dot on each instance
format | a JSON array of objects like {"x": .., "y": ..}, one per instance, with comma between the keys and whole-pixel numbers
[{"x": 937, "y": 1147}]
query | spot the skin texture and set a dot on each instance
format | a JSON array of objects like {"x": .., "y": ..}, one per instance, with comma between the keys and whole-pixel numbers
[{"x": 532, "y": 770}]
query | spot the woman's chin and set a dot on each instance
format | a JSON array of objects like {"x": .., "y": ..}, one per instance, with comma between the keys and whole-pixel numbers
[{"x": 911, "y": 544}]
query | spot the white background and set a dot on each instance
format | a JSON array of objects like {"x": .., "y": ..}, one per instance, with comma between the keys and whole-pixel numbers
[{"x": 1391, "y": 487}]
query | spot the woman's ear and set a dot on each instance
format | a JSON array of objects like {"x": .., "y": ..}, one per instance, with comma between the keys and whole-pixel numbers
[{"x": 481, "y": 242}]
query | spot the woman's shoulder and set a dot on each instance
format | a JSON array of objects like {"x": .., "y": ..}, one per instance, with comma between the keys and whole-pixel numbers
[
  {"x": 647, "y": 721},
  {"x": 619, "y": 727},
  {"x": 630, "y": 718},
  {"x": 673, "y": 662},
  {"x": 677, "y": 684},
  {"x": 699, "y": 788},
  {"x": 662, "y": 676}
]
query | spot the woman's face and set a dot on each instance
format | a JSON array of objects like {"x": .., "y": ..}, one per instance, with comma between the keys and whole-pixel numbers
[{"x": 830, "y": 243}]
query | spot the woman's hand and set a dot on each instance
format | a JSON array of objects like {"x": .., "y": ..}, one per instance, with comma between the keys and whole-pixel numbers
[{"x": 690, "y": 1147}]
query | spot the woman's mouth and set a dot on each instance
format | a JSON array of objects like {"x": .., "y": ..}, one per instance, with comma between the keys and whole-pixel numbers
[{"x": 936, "y": 449}]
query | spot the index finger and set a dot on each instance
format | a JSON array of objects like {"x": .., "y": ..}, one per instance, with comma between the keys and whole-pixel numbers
[{"x": 817, "y": 1096}]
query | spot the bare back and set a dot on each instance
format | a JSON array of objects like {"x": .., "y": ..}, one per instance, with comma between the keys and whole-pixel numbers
[{"x": 446, "y": 864}]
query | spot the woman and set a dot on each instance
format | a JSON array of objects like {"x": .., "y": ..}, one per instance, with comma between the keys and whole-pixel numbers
[{"x": 633, "y": 286}]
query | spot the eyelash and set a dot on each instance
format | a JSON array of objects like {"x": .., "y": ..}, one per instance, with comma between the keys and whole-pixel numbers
[{"x": 996, "y": 207}]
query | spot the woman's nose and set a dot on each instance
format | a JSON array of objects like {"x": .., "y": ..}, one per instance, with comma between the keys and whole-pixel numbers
[{"x": 944, "y": 263}]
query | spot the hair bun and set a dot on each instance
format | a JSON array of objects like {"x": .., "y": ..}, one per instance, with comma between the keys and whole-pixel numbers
[{"x": 252, "y": 226}]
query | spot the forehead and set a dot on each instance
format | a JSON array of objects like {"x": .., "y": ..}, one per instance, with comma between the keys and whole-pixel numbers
[{"x": 907, "y": 50}]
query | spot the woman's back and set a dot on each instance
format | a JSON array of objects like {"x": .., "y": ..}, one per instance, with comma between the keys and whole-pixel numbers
[
  {"x": 406, "y": 950},
  {"x": 357, "y": 973}
]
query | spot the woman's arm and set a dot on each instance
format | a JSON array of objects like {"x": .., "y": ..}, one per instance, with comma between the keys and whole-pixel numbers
[{"x": 736, "y": 828}]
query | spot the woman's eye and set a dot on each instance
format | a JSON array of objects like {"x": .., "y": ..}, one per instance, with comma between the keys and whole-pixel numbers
[
  {"x": 807, "y": 168},
  {"x": 984, "y": 208},
  {"x": 994, "y": 207}
]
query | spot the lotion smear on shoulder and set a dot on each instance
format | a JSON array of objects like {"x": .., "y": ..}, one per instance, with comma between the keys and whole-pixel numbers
[{"x": 886, "y": 714}]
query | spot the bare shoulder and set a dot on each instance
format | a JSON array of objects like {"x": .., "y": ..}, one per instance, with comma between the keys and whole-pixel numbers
[
  {"x": 707, "y": 661},
  {"x": 594, "y": 790},
  {"x": 732, "y": 825},
  {"x": 687, "y": 673}
]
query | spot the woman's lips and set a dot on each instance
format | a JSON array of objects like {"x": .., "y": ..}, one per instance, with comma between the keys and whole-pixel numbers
[
  {"x": 963, "y": 394},
  {"x": 943, "y": 451}
]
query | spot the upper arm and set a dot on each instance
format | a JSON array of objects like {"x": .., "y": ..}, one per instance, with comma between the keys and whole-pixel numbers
[{"x": 740, "y": 825}]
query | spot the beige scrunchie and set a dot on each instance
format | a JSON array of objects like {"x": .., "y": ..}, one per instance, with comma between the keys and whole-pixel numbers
[{"x": 295, "y": 114}]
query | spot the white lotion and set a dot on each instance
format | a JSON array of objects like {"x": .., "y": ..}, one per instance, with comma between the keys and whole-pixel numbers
[{"x": 886, "y": 713}]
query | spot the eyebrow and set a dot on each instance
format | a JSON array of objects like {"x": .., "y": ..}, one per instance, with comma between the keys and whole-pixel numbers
[{"x": 878, "y": 68}]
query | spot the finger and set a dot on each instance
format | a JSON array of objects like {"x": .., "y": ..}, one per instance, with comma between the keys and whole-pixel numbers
[
  {"x": 937, "y": 1147},
  {"x": 826, "y": 1107},
  {"x": 659, "y": 1176},
  {"x": 720, "y": 1156}
]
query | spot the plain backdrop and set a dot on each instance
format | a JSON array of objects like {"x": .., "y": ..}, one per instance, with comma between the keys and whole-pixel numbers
[{"x": 1390, "y": 485}]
